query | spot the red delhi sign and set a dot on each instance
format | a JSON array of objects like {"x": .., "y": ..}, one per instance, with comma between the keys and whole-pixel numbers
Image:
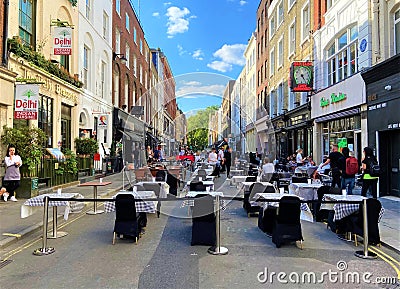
[
  {"x": 62, "y": 40},
  {"x": 26, "y": 101}
]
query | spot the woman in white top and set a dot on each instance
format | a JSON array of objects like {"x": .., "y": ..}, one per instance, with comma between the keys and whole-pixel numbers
[
  {"x": 12, "y": 177},
  {"x": 299, "y": 158},
  {"x": 212, "y": 157},
  {"x": 267, "y": 170}
]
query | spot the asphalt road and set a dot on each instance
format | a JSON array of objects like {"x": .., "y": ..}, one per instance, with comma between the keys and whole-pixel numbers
[{"x": 163, "y": 257}]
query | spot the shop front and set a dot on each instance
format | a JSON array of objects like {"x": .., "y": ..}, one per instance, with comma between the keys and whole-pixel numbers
[
  {"x": 383, "y": 100},
  {"x": 337, "y": 115}
]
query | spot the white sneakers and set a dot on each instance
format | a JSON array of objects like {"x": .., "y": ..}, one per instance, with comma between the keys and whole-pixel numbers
[
  {"x": 13, "y": 199},
  {"x": 5, "y": 196}
]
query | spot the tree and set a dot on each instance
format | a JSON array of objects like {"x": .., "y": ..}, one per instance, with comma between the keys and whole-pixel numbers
[{"x": 197, "y": 135}]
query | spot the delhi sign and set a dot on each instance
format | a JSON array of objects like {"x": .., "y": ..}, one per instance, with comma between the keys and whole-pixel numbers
[
  {"x": 333, "y": 99},
  {"x": 62, "y": 40},
  {"x": 26, "y": 101}
]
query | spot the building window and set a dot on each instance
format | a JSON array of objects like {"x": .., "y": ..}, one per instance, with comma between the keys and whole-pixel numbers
[
  {"x": 272, "y": 27},
  {"x": 272, "y": 104},
  {"x": 291, "y": 3},
  {"x": 272, "y": 62},
  {"x": 280, "y": 52},
  {"x": 291, "y": 99},
  {"x": 105, "y": 25},
  {"x": 342, "y": 58},
  {"x": 141, "y": 74},
  {"x": 118, "y": 6},
  {"x": 26, "y": 22},
  {"x": 134, "y": 35},
  {"x": 280, "y": 13},
  {"x": 64, "y": 61},
  {"x": 305, "y": 22},
  {"x": 127, "y": 21},
  {"x": 45, "y": 118},
  {"x": 127, "y": 55},
  {"x": 86, "y": 63},
  {"x": 141, "y": 46},
  {"x": 280, "y": 98},
  {"x": 135, "y": 65},
  {"x": 329, "y": 4},
  {"x": 88, "y": 9},
  {"x": 117, "y": 41},
  {"x": 292, "y": 38},
  {"x": 103, "y": 79},
  {"x": 397, "y": 32}
]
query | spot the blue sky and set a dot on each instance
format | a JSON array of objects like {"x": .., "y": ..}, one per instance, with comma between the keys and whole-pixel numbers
[{"x": 199, "y": 36}]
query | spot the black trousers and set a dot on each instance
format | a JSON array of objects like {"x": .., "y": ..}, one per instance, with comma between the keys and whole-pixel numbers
[
  {"x": 336, "y": 180},
  {"x": 369, "y": 183},
  {"x": 228, "y": 170},
  {"x": 11, "y": 186}
]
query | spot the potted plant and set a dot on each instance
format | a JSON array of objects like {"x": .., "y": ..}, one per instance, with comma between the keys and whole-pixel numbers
[
  {"x": 28, "y": 142},
  {"x": 85, "y": 149}
]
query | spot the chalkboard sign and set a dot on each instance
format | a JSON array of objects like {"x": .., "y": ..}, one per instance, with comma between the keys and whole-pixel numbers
[
  {"x": 35, "y": 183},
  {"x": 56, "y": 153}
]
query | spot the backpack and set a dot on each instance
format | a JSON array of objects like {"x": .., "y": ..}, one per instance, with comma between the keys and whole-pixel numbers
[
  {"x": 156, "y": 154},
  {"x": 351, "y": 166},
  {"x": 374, "y": 169}
]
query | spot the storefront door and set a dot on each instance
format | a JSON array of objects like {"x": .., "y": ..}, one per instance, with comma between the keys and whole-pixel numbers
[{"x": 389, "y": 156}]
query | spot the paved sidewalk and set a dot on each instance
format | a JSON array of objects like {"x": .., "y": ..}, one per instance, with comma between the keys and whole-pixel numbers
[{"x": 11, "y": 222}]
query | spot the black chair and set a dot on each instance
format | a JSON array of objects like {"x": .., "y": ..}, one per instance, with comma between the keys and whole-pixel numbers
[
  {"x": 296, "y": 179},
  {"x": 374, "y": 207},
  {"x": 266, "y": 219},
  {"x": 321, "y": 215},
  {"x": 251, "y": 179},
  {"x": 248, "y": 196},
  {"x": 335, "y": 191},
  {"x": 126, "y": 221},
  {"x": 161, "y": 176},
  {"x": 173, "y": 183},
  {"x": 197, "y": 186},
  {"x": 203, "y": 221},
  {"x": 155, "y": 187},
  {"x": 287, "y": 226}
]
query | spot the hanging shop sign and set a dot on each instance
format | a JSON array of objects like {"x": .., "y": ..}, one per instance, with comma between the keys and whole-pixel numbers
[
  {"x": 301, "y": 76},
  {"x": 62, "y": 40},
  {"x": 103, "y": 121},
  {"x": 26, "y": 101}
]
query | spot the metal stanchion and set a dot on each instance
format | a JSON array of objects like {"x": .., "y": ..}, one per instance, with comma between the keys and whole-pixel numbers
[
  {"x": 365, "y": 254},
  {"x": 44, "y": 250},
  {"x": 218, "y": 250},
  {"x": 56, "y": 234},
  {"x": 95, "y": 211}
]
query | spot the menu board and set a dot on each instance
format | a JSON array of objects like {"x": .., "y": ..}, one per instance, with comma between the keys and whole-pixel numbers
[{"x": 56, "y": 153}]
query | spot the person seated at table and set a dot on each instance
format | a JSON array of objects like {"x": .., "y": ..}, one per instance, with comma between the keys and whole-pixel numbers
[
  {"x": 212, "y": 157},
  {"x": 267, "y": 170},
  {"x": 321, "y": 170}
]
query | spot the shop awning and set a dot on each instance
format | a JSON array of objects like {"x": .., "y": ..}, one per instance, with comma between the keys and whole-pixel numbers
[
  {"x": 341, "y": 114},
  {"x": 152, "y": 136},
  {"x": 130, "y": 135}
]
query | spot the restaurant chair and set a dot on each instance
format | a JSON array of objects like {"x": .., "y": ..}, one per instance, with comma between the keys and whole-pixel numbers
[
  {"x": 266, "y": 219},
  {"x": 248, "y": 196},
  {"x": 335, "y": 191},
  {"x": 296, "y": 179},
  {"x": 161, "y": 176},
  {"x": 140, "y": 175},
  {"x": 197, "y": 186},
  {"x": 287, "y": 226},
  {"x": 203, "y": 221},
  {"x": 251, "y": 179},
  {"x": 156, "y": 188},
  {"x": 126, "y": 222},
  {"x": 173, "y": 182},
  {"x": 321, "y": 215},
  {"x": 374, "y": 207}
]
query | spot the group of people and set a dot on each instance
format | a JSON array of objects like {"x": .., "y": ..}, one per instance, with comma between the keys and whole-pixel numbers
[
  {"x": 222, "y": 160},
  {"x": 344, "y": 166},
  {"x": 154, "y": 156},
  {"x": 12, "y": 176}
]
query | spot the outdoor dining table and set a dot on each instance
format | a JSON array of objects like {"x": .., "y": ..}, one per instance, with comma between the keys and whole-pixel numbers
[
  {"x": 236, "y": 172},
  {"x": 31, "y": 205},
  {"x": 307, "y": 191},
  {"x": 141, "y": 207},
  {"x": 95, "y": 185},
  {"x": 164, "y": 187},
  {"x": 343, "y": 210},
  {"x": 305, "y": 212},
  {"x": 235, "y": 180},
  {"x": 245, "y": 186},
  {"x": 192, "y": 194}
]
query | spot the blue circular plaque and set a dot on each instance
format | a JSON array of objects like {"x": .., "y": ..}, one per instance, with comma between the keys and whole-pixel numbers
[{"x": 363, "y": 45}]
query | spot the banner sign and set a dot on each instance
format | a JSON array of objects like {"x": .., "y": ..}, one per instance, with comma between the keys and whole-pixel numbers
[
  {"x": 102, "y": 121},
  {"x": 26, "y": 101},
  {"x": 62, "y": 40}
]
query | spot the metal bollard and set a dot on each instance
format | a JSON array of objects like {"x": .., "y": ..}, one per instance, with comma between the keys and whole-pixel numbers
[
  {"x": 218, "y": 250},
  {"x": 44, "y": 250},
  {"x": 365, "y": 254}
]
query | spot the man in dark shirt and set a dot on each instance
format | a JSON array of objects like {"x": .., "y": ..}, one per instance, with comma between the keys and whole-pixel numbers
[{"x": 333, "y": 160}]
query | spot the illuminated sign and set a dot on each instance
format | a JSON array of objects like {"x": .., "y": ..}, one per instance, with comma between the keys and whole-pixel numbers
[
  {"x": 333, "y": 99},
  {"x": 301, "y": 76}
]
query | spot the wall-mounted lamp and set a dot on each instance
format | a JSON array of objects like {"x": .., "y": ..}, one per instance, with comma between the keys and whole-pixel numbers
[
  {"x": 121, "y": 56},
  {"x": 388, "y": 87}
]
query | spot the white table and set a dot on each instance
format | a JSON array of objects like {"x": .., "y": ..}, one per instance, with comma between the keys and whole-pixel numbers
[
  {"x": 306, "y": 191},
  {"x": 33, "y": 204},
  {"x": 143, "y": 206},
  {"x": 164, "y": 187},
  {"x": 238, "y": 179},
  {"x": 193, "y": 194},
  {"x": 245, "y": 186},
  {"x": 236, "y": 172},
  {"x": 305, "y": 212}
]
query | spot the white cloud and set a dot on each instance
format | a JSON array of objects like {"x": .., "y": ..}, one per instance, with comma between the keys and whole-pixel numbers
[
  {"x": 229, "y": 55},
  {"x": 192, "y": 87},
  {"x": 167, "y": 3},
  {"x": 242, "y": 2},
  {"x": 156, "y": 14},
  {"x": 191, "y": 83},
  {"x": 177, "y": 20},
  {"x": 198, "y": 54},
  {"x": 181, "y": 51}
]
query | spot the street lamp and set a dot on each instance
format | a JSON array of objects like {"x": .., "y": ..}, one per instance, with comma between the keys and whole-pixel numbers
[{"x": 121, "y": 56}]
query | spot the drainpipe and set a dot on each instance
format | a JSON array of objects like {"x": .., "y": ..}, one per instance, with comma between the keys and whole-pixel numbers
[
  {"x": 4, "y": 57},
  {"x": 375, "y": 31}
]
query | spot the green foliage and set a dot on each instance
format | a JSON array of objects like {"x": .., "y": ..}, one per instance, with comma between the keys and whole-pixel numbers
[
  {"x": 73, "y": 2},
  {"x": 69, "y": 165},
  {"x": 86, "y": 146},
  {"x": 197, "y": 135},
  {"x": 34, "y": 57},
  {"x": 28, "y": 142}
]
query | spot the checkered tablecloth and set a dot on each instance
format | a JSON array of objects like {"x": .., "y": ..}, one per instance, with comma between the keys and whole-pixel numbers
[
  {"x": 143, "y": 206},
  {"x": 343, "y": 210},
  {"x": 191, "y": 194},
  {"x": 305, "y": 212},
  {"x": 32, "y": 204}
]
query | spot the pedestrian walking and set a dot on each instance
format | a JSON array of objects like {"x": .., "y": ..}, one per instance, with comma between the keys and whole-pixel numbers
[
  {"x": 369, "y": 182},
  {"x": 333, "y": 160},
  {"x": 228, "y": 160},
  {"x": 12, "y": 177},
  {"x": 348, "y": 164}
]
